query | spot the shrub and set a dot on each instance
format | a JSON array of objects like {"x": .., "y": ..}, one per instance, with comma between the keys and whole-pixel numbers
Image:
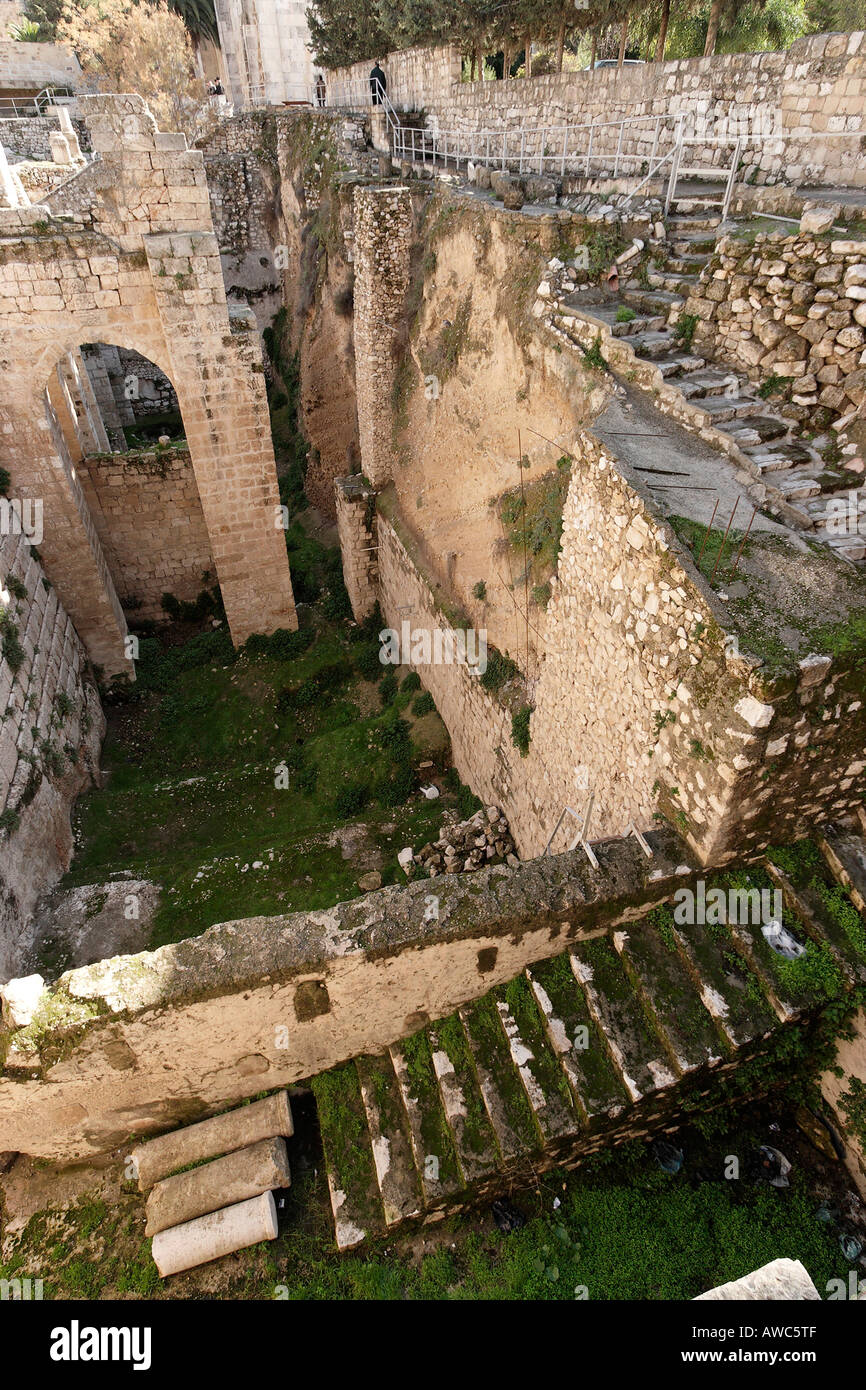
[
  {"x": 15, "y": 586},
  {"x": 351, "y": 799},
  {"x": 624, "y": 314},
  {"x": 281, "y": 645},
  {"x": 388, "y": 687},
  {"x": 541, "y": 594},
  {"x": 306, "y": 778},
  {"x": 520, "y": 729},
  {"x": 424, "y": 704},
  {"x": 412, "y": 682},
  {"x": 395, "y": 789},
  {"x": 367, "y": 661},
  {"x": 480, "y": 590},
  {"x": 499, "y": 670}
]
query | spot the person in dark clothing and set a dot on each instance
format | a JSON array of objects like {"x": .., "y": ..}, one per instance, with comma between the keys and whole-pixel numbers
[
  {"x": 218, "y": 88},
  {"x": 378, "y": 85},
  {"x": 321, "y": 90}
]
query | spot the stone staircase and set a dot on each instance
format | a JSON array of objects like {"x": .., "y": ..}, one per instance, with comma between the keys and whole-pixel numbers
[
  {"x": 604, "y": 1042},
  {"x": 789, "y": 477}
]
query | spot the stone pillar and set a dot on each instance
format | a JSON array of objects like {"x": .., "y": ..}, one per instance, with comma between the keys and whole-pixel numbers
[
  {"x": 358, "y": 530},
  {"x": 216, "y": 370},
  {"x": 383, "y": 229}
]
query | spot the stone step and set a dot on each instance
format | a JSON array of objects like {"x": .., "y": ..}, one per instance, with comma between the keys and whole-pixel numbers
[
  {"x": 787, "y": 984},
  {"x": 656, "y": 967},
  {"x": 673, "y": 367},
  {"x": 504, "y": 1098},
  {"x": 575, "y": 1037},
  {"x": 429, "y": 1132},
  {"x": 653, "y": 345},
  {"x": 690, "y": 264},
  {"x": 826, "y": 911},
  {"x": 658, "y": 302},
  {"x": 689, "y": 243},
  {"x": 544, "y": 1079},
  {"x": 356, "y": 1201},
  {"x": 729, "y": 990},
  {"x": 709, "y": 382},
  {"x": 722, "y": 408},
  {"x": 474, "y": 1139},
  {"x": 396, "y": 1174},
  {"x": 755, "y": 429},
  {"x": 635, "y": 1048},
  {"x": 795, "y": 486}
]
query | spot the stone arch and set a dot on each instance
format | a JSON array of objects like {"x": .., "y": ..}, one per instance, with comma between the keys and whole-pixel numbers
[{"x": 125, "y": 253}]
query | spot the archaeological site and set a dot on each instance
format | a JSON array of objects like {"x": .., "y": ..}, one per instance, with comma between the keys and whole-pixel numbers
[{"x": 432, "y": 659}]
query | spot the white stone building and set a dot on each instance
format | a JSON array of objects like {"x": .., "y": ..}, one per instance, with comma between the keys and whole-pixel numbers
[{"x": 264, "y": 45}]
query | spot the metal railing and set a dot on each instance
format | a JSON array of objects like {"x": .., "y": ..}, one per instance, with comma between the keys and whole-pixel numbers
[
  {"x": 20, "y": 107},
  {"x": 647, "y": 145}
]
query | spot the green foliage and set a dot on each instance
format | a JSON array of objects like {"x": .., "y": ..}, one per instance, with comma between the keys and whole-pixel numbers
[
  {"x": 500, "y": 668},
  {"x": 388, "y": 687},
  {"x": 281, "y": 645},
  {"x": 520, "y": 729},
  {"x": 351, "y": 799},
  {"x": 684, "y": 330},
  {"x": 5, "y": 482},
  {"x": 479, "y": 590},
  {"x": 592, "y": 356},
  {"x": 424, "y": 704},
  {"x": 541, "y": 594},
  {"x": 15, "y": 587},
  {"x": 411, "y": 682},
  {"x": 624, "y": 314}
]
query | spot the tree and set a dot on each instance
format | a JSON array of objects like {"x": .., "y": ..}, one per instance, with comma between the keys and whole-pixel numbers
[
  {"x": 143, "y": 47},
  {"x": 344, "y": 32}
]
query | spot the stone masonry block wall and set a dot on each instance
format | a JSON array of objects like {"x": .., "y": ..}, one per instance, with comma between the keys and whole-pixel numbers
[
  {"x": 150, "y": 523},
  {"x": 793, "y": 306},
  {"x": 356, "y": 525},
  {"x": 51, "y": 727},
  {"x": 383, "y": 229},
  {"x": 637, "y": 699},
  {"x": 135, "y": 263},
  {"x": 208, "y": 1012},
  {"x": 815, "y": 95},
  {"x": 28, "y": 67}
]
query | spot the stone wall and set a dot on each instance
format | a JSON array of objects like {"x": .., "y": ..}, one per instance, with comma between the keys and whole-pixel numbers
[
  {"x": 801, "y": 112},
  {"x": 135, "y": 263},
  {"x": 265, "y": 50},
  {"x": 150, "y": 524},
  {"x": 383, "y": 231},
  {"x": 789, "y": 306},
  {"x": 641, "y": 697},
  {"x": 146, "y": 1042},
  {"x": 51, "y": 727},
  {"x": 28, "y": 67},
  {"x": 356, "y": 525},
  {"x": 418, "y": 79}
]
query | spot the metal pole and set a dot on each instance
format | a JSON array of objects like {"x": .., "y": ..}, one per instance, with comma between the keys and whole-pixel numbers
[
  {"x": 589, "y": 146},
  {"x": 541, "y": 154},
  {"x": 564, "y": 148},
  {"x": 731, "y": 177},
  {"x": 522, "y": 149},
  {"x": 618, "y": 149},
  {"x": 724, "y": 538}
]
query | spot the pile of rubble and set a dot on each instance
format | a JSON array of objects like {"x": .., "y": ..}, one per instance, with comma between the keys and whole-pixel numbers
[{"x": 465, "y": 846}]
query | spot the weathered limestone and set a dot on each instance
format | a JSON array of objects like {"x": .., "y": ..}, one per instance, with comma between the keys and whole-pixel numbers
[
  {"x": 237, "y": 1177},
  {"x": 211, "y": 1237},
  {"x": 383, "y": 226},
  {"x": 214, "y": 1011},
  {"x": 223, "y": 1134},
  {"x": 357, "y": 528},
  {"x": 784, "y": 1280},
  {"x": 137, "y": 264},
  {"x": 801, "y": 112}
]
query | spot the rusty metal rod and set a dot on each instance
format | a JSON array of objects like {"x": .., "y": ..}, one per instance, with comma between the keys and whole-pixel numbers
[
  {"x": 724, "y": 538},
  {"x": 707, "y": 532}
]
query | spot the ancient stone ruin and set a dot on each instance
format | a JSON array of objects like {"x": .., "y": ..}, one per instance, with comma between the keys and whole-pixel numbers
[{"x": 432, "y": 569}]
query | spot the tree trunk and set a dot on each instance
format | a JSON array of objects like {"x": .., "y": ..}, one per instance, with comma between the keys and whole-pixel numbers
[
  {"x": 663, "y": 31},
  {"x": 506, "y": 64},
  {"x": 479, "y": 63},
  {"x": 623, "y": 37},
  {"x": 560, "y": 46},
  {"x": 713, "y": 29},
  {"x": 594, "y": 49},
  {"x": 527, "y": 61}
]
